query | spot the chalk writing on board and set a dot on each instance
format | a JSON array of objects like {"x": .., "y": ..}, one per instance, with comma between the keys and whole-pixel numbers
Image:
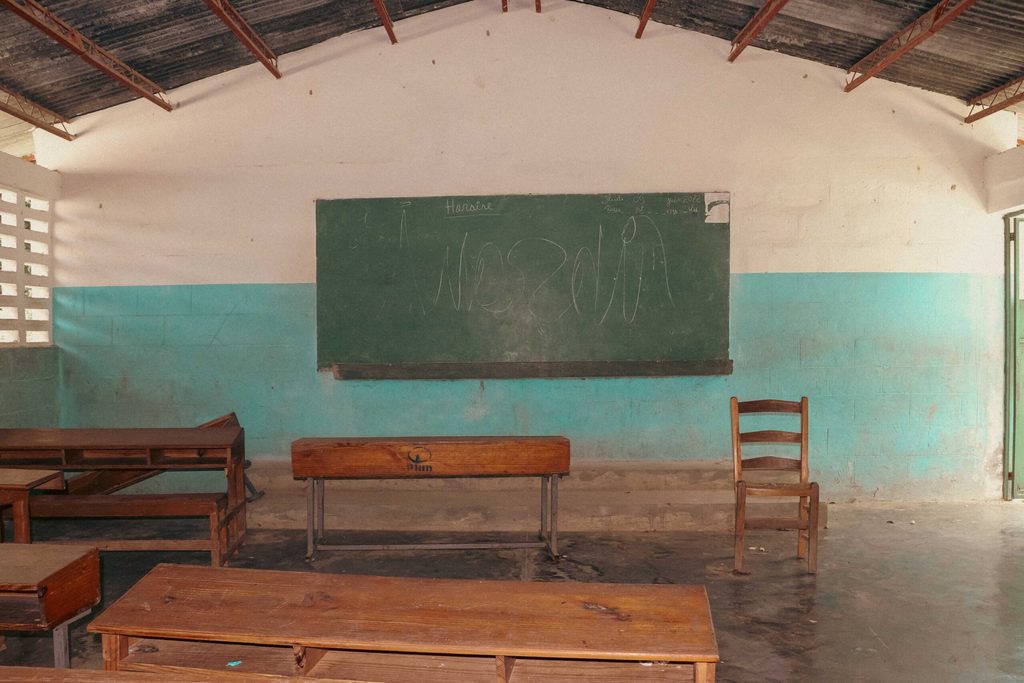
[
  {"x": 610, "y": 277},
  {"x": 454, "y": 208}
]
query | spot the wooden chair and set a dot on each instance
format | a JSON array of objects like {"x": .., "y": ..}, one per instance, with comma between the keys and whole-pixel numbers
[{"x": 806, "y": 521}]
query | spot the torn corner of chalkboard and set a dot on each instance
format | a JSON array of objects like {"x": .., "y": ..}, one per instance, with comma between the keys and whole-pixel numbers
[{"x": 558, "y": 369}]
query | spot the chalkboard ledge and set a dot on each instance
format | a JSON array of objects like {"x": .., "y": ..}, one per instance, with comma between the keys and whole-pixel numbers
[{"x": 530, "y": 370}]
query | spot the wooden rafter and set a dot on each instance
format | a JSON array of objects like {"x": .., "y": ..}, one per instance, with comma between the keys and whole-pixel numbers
[
  {"x": 757, "y": 23},
  {"x": 385, "y": 19},
  {"x": 997, "y": 99},
  {"x": 39, "y": 116},
  {"x": 62, "y": 32},
  {"x": 644, "y": 17},
  {"x": 227, "y": 13},
  {"x": 909, "y": 37}
]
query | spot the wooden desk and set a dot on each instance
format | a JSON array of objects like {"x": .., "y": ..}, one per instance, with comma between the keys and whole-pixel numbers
[
  {"x": 14, "y": 488},
  {"x": 317, "y": 459},
  {"x": 401, "y": 629},
  {"x": 44, "y": 587},
  {"x": 130, "y": 455}
]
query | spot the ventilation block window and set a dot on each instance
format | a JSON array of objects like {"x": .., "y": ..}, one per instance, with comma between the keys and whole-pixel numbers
[{"x": 25, "y": 267}]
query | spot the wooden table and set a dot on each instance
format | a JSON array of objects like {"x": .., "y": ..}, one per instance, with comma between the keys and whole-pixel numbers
[
  {"x": 44, "y": 587},
  {"x": 413, "y": 457},
  {"x": 115, "y": 458},
  {"x": 402, "y": 629},
  {"x": 14, "y": 490}
]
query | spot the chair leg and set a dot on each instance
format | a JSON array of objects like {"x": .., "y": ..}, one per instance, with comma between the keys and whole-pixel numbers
[
  {"x": 802, "y": 535},
  {"x": 812, "y": 532},
  {"x": 741, "y": 524}
]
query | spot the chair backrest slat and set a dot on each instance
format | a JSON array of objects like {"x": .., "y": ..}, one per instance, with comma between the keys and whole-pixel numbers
[
  {"x": 770, "y": 436},
  {"x": 767, "y": 406},
  {"x": 771, "y": 462}
]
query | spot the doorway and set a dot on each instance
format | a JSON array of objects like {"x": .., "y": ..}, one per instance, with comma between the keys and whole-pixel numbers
[{"x": 1013, "y": 486}]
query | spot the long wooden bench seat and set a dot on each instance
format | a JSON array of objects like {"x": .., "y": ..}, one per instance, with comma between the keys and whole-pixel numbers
[
  {"x": 29, "y": 674},
  {"x": 214, "y": 506}
]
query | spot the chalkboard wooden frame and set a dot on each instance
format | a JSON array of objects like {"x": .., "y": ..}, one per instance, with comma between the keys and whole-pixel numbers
[
  {"x": 679, "y": 241},
  {"x": 537, "y": 370}
]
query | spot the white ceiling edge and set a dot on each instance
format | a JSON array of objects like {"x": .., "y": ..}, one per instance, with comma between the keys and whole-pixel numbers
[{"x": 16, "y": 136}]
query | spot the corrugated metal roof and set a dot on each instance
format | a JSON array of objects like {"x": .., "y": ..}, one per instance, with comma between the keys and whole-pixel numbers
[{"x": 174, "y": 42}]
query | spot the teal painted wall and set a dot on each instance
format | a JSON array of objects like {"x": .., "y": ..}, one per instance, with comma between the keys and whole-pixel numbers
[
  {"x": 29, "y": 380},
  {"x": 898, "y": 368}
]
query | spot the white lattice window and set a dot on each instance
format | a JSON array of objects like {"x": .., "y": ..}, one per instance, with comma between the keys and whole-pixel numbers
[{"x": 26, "y": 222}]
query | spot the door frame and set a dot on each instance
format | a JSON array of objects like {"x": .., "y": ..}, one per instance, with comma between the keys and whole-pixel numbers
[{"x": 1013, "y": 227}]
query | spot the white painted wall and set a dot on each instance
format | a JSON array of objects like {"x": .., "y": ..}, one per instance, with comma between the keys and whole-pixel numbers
[
  {"x": 1004, "y": 180},
  {"x": 471, "y": 101},
  {"x": 28, "y": 177}
]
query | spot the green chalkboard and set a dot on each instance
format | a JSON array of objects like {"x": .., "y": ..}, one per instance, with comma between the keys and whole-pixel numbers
[{"x": 523, "y": 286}]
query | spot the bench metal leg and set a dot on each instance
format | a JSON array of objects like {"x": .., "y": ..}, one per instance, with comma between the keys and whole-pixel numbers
[
  {"x": 321, "y": 526},
  {"x": 544, "y": 512},
  {"x": 553, "y": 543},
  {"x": 310, "y": 517},
  {"x": 254, "y": 493},
  {"x": 61, "y": 646},
  {"x": 316, "y": 531}
]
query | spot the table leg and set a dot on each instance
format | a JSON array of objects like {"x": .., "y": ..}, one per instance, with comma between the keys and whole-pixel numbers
[
  {"x": 236, "y": 497},
  {"x": 21, "y": 520},
  {"x": 115, "y": 648},
  {"x": 310, "y": 517},
  {"x": 703, "y": 672}
]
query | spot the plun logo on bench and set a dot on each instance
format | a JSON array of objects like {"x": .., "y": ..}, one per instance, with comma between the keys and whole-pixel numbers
[{"x": 419, "y": 459}]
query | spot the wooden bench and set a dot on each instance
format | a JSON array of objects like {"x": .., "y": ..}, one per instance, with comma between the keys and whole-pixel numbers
[
  {"x": 214, "y": 506},
  {"x": 108, "y": 460},
  {"x": 391, "y": 629},
  {"x": 317, "y": 459}
]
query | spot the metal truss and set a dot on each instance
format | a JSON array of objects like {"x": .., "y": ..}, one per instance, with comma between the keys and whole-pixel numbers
[
  {"x": 995, "y": 100},
  {"x": 909, "y": 37},
  {"x": 53, "y": 26},
  {"x": 644, "y": 16},
  {"x": 25, "y": 109},
  {"x": 385, "y": 19},
  {"x": 227, "y": 13},
  {"x": 754, "y": 27}
]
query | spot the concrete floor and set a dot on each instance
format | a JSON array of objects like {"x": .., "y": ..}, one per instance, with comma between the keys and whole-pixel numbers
[{"x": 925, "y": 593}]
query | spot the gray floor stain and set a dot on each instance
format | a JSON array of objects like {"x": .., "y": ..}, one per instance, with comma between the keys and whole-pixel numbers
[{"x": 939, "y": 599}]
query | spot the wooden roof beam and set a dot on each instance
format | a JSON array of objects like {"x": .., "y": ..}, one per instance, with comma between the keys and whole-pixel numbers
[
  {"x": 909, "y": 37},
  {"x": 62, "y": 32},
  {"x": 30, "y": 112},
  {"x": 754, "y": 27},
  {"x": 997, "y": 99},
  {"x": 248, "y": 36}
]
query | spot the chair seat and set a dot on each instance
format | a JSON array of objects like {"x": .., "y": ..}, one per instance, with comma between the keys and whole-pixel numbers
[{"x": 779, "y": 489}]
